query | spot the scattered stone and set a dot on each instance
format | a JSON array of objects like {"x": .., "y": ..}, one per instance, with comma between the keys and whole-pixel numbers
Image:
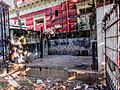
[
  {"x": 39, "y": 81},
  {"x": 36, "y": 83}
]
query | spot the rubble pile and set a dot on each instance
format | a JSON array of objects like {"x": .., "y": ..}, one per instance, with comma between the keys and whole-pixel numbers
[
  {"x": 32, "y": 83},
  {"x": 58, "y": 84},
  {"x": 48, "y": 84}
]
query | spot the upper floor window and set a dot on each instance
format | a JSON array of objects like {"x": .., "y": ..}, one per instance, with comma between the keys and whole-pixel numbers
[
  {"x": 38, "y": 21},
  {"x": 56, "y": 12}
]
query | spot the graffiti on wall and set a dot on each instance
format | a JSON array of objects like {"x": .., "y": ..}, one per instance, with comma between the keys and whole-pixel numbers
[{"x": 67, "y": 46}]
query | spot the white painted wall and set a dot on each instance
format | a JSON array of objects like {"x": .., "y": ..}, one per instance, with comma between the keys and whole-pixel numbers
[{"x": 100, "y": 35}]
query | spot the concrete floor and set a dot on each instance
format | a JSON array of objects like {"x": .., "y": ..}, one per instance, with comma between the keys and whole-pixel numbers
[
  {"x": 63, "y": 67},
  {"x": 65, "y": 61}
]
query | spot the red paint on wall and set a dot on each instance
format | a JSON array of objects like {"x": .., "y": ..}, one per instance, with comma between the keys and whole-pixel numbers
[
  {"x": 118, "y": 62},
  {"x": 31, "y": 27},
  {"x": 54, "y": 8},
  {"x": 61, "y": 19},
  {"x": 39, "y": 26},
  {"x": 29, "y": 21}
]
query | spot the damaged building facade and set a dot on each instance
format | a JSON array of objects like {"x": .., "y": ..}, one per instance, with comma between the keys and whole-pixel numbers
[{"x": 68, "y": 18}]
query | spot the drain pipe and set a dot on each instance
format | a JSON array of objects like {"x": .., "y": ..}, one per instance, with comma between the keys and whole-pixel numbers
[{"x": 41, "y": 43}]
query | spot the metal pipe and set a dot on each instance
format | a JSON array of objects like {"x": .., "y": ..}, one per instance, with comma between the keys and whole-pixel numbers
[
  {"x": 18, "y": 15},
  {"x": 1, "y": 10},
  {"x": 67, "y": 6},
  {"x": 41, "y": 43},
  {"x": 5, "y": 39},
  {"x": 107, "y": 28},
  {"x": 113, "y": 36},
  {"x": 105, "y": 52},
  {"x": 4, "y": 26},
  {"x": 8, "y": 35}
]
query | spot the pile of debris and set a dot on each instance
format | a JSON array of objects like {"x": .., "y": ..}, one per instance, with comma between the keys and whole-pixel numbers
[
  {"x": 31, "y": 83},
  {"x": 57, "y": 84},
  {"x": 16, "y": 80}
]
